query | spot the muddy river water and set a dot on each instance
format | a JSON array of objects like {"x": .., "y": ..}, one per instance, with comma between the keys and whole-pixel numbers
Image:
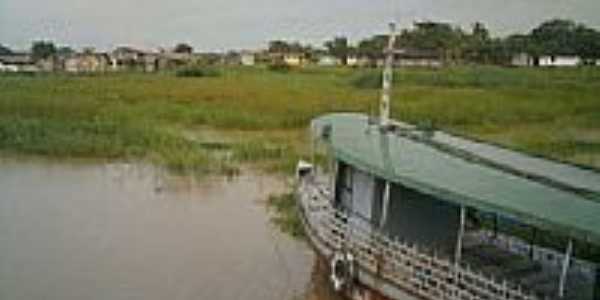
[{"x": 120, "y": 231}]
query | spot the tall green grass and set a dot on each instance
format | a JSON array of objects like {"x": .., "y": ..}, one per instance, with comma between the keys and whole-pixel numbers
[{"x": 260, "y": 116}]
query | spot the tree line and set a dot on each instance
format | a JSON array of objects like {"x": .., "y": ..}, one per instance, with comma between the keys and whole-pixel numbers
[
  {"x": 42, "y": 49},
  {"x": 552, "y": 37},
  {"x": 452, "y": 43}
]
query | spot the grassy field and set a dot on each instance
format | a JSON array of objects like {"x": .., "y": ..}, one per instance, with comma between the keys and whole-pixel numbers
[{"x": 253, "y": 115}]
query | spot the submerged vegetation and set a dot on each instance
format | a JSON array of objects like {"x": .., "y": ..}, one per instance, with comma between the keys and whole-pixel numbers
[
  {"x": 253, "y": 115},
  {"x": 286, "y": 216}
]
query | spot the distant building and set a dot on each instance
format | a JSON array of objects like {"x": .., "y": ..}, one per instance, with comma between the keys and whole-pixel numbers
[
  {"x": 151, "y": 62},
  {"x": 126, "y": 58},
  {"x": 177, "y": 59},
  {"x": 352, "y": 61},
  {"x": 231, "y": 58},
  {"x": 87, "y": 63},
  {"x": 559, "y": 61},
  {"x": 49, "y": 64},
  {"x": 247, "y": 58},
  {"x": 522, "y": 60},
  {"x": 418, "y": 58},
  {"x": 17, "y": 62},
  {"x": 327, "y": 60},
  {"x": 294, "y": 59},
  {"x": 208, "y": 58},
  {"x": 526, "y": 60}
]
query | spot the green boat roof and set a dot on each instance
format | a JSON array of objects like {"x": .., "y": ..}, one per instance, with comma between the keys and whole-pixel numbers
[{"x": 540, "y": 192}]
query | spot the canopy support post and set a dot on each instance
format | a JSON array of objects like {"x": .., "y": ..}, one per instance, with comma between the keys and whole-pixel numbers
[
  {"x": 597, "y": 284},
  {"x": 459, "y": 238},
  {"x": 385, "y": 204},
  {"x": 565, "y": 268},
  {"x": 532, "y": 242},
  {"x": 495, "y": 226}
]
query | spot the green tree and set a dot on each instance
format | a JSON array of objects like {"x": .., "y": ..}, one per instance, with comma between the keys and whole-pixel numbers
[
  {"x": 42, "y": 49},
  {"x": 279, "y": 46},
  {"x": 373, "y": 47},
  {"x": 435, "y": 36},
  {"x": 183, "y": 48},
  {"x": 587, "y": 42},
  {"x": 478, "y": 44},
  {"x": 339, "y": 48},
  {"x": 65, "y": 50},
  {"x": 556, "y": 36},
  {"x": 4, "y": 50}
]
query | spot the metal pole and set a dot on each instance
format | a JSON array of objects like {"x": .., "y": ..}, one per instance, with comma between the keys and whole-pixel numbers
[
  {"x": 597, "y": 284},
  {"x": 565, "y": 268},
  {"x": 388, "y": 73},
  {"x": 495, "y": 226},
  {"x": 461, "y": 232},
  {"x": 386, "y": 203},
  {"x": 532, "y": 243}
]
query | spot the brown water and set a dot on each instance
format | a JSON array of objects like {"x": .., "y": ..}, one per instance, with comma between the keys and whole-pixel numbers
[{"x": 119, "y": 231}]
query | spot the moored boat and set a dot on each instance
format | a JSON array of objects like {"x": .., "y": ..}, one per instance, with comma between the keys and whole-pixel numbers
[{"x": 403, "y": 212}]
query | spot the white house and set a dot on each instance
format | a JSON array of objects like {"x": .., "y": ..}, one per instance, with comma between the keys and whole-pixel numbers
[
  {"x": 17, "y": 62},
  {"x": 418, "y": 58},
  {"x": 522, "y": 60},
  {"x": 293, "y": 59},
  {"x": 248, "y": 58},
  {"x": 559, "y": 61},
  {"x": 328, "y": 61},
  {"x": 5, "y": 67},
  {"x": 352, "y": 61}
]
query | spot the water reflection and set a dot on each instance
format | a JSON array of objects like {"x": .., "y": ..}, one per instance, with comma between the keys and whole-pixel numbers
[{"x": 120, "y": 231}]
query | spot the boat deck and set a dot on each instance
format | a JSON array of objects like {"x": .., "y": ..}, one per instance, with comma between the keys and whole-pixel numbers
[{"x": 391, "y": 266}]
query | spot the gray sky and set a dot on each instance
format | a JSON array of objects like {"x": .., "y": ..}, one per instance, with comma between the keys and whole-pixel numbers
[{"x": 237, "y": 24}]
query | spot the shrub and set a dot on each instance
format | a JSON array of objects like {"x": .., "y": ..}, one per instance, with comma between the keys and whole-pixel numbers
[
  {"x": 197, "y": 72},
  {"x": 279, "y": 67},
  {"x": 369, "y": 80}
]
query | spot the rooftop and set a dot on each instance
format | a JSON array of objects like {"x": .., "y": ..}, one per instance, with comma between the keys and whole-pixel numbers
[{"x": 545, "y": 193}]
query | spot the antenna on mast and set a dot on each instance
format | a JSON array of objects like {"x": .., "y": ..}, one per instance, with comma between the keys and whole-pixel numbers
[{"x": 388, "y": 74}]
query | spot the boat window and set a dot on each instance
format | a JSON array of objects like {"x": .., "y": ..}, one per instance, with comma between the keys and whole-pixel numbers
[
  {"x": 377, "y": 212},
  {"x": 421, "y": 218},
  {"x": 343, "y": 186}
]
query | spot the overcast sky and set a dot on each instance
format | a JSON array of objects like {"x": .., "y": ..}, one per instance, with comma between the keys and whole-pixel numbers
[{"x": 237, "y": 24}]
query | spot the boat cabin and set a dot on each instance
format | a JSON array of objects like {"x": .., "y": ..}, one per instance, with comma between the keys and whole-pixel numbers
[{"x": 481, "y": 221}]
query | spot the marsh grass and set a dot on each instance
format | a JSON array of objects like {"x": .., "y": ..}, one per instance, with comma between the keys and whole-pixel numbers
[
  {"x": 260, "y": 116},
  {"x": 285, "y": 214}
]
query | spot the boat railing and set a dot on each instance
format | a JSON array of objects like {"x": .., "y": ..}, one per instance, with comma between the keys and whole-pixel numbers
[{"x": 407, "y": 266}]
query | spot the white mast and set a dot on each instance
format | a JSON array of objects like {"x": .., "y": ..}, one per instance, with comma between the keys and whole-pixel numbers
[{"x": 388, "y": 74}]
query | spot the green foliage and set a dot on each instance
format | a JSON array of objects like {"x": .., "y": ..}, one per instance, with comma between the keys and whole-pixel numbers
[
  {"x": 372, "y": 47},
  {"x": 279, "y": 66},
  {"x": 553, "y": 37},
  {"x": 280, "y": 46},
  {"x": 197, "y": 72},
  {"x": 259, "y": 116},
  {"x": 339, "y": 48},
  {"x": 65, "y": 50},
  {"x": 286, "y": 215},
  {"x": 183, "y": 48},
  {"x": 42, "y": 49},
  {"x": 5, "y": 50},
  {"x": 367, "y": 80}
]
